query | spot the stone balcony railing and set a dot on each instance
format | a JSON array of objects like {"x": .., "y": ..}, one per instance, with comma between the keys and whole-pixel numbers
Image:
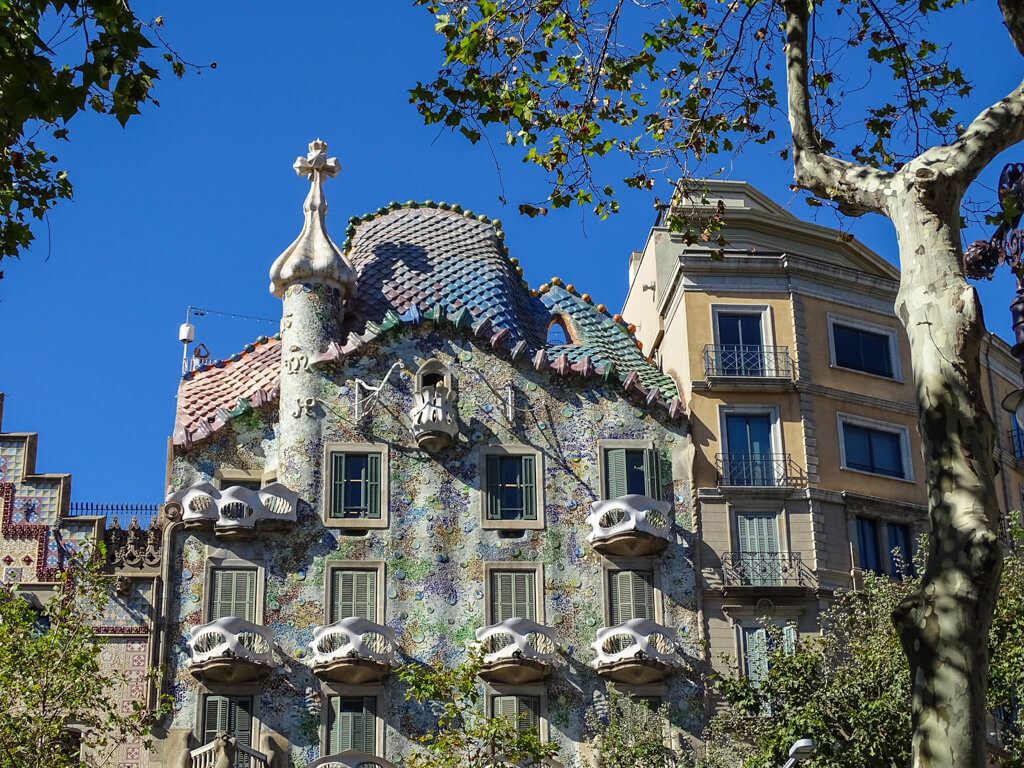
[
  {"x": 236, "y": 511},
  {"x": 353, "y": 651},
  {"x": 351, "y": 759},
  {"x": 517, "y": 651},
  {"x": 630, "y": 526},
  {"x": 636, "y": 652},
  {"x": 231, "y": 650},
  {"x": 224, "y": 750},
  {"x": 433, "y": 417}
]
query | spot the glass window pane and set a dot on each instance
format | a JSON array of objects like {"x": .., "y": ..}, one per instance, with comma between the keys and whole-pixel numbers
[
  {"x": 857, "y": 442},
  {"x": 886, "y": 454},
  {"x": 867, "y": 543},
  {"x": 636, "y": 477},
  {"x": 862, "y": 350}
]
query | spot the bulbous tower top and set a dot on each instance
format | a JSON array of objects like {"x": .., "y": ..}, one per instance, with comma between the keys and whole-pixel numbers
[{"x": 314, "y": 257}]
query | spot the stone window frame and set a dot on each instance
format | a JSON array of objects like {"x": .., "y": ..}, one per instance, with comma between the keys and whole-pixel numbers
[
  {"x": 252, "y": 690},
  {"x": 513, "y": 450},
  {"x": 383, "y": 449},
  {"x": 604, "y": 445},
  {"x": 891, "y": 333},
  {"x": 538, "y": 582},
  {"x": 494, "y": 690},
  {"x": 225, "y": 477},
  {"x": 342, "y": 690},
  {"x": 229, "y": 559},
  {"x": 763, "y": 310},
  {"x": 632, "y": 564},
  {"x": 356, "y": 565},
  {"x": 901, "y": 430}
]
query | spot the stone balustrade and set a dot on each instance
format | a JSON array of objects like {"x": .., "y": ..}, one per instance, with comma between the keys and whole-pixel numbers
[
  {"x": 630, "y": 526},
  {"x": 353, "y": 651},
  {"x": 236, "y": 511},
  {"x": 635, "y": 652},
  {"x": 231, "y": 650},
  {"x": 517, "y": 651}
]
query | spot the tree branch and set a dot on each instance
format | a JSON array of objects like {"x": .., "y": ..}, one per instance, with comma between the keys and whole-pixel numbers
[
  {"x": 1013, "y": 17},
  {"x": 855, "y": 188},
  {"x": 996, "y": 128}
]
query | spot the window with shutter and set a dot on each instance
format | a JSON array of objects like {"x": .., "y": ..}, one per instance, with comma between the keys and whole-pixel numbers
[
  {"x": 233, "y": 593},
  {"x": 352, "y": 724},
  {"x": 231, "y": 714},
  {"x": 757, "y": 535},
  {"x": 630, "y": 595},
  {"x": 353, "y": 593},
  {"x": 355, "y": 485},
  {"x": 630, "y": 471},
  {"x": 524, "y": 711},
  {"x": 513, "y": 595},
  {"x": 511, "y": 483},
  {"x": 755, "y": 654}
]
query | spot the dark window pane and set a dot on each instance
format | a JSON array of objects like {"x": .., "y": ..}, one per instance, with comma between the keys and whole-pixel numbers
[
  {"x": 899, "y": 551},
  {"x": 873, "y": 450},
  {"x": 862, "y": 350},
  {"x": 867, "y": 543},
  {"x": 636, "y": 477}
]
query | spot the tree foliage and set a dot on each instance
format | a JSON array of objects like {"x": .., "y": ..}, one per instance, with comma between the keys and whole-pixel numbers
[
  {"x": 464, "y": 737},
  {"x": 671, "y": 83},
  {"x": 51, "y": 678},
  {"x": 59, "y": 58},
  {"x": 630, "y": 734},
  {"x": 849, "y": 688}
]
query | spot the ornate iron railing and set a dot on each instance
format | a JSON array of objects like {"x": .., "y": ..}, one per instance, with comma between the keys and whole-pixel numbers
[
  {"x": 746, "y": 360},
  {"x": 763, "y": 569},
  {"x": 122, "y": 514},
  {"x": 770, "y": 470},
  {"x": 1016, "y": 436}
]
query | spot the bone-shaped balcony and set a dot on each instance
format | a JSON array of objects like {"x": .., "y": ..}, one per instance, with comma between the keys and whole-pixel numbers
[
  {"x": 351, "y": 759},
  {"x": 517, "y": 651},
  {"x": 353, "y": 651},
  {"x": 236, "y": 511},
  {"x": 630, "y": 526},
  {"x": 231, "y": 650},
  {"x": 635, "y": 652},
  {"x": 433, "y": 416}
]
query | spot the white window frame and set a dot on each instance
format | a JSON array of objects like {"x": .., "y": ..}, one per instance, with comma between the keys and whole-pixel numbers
[
  {"x": 842, "y": 419},
  {"x": 538, "y": 482},
  {"x": 863, "y": 325},
  {"x": 764, "y": 310},
  {"x": 750, "y": 410},
  {"x": 328, "y": 486},
  {"x": 328, "y": 689}
]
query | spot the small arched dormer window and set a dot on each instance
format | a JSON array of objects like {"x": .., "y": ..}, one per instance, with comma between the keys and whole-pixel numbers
[
  {"x": 433, "y": 373},
  {"x": 559, "y": 333}
]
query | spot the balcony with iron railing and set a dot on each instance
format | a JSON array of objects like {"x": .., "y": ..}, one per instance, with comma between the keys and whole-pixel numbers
[
  {"x": 354, "y": 651},
  {"x": 517, "y": 651},
  {"x": 758, "y": 470},
  {"x": 764, "y": 570},
  {"x": 231, "y": 650},
  {"x": 1016, "y": 440},
  {"x": 225, "y": 750},
  {"x": 732, "y": 361},
  {"x": 636, "y": 652}
]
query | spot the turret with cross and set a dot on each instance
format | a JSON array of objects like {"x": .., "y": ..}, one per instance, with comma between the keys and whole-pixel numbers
[{"x": 313, "y": 279}]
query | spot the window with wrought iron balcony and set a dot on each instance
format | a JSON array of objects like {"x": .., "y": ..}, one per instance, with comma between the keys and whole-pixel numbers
[
  {"x": 751, "y": 457},
  {"x": 739, "y": 351}
]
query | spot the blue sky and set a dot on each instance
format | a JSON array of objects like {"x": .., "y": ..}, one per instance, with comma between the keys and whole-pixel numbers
[{"x": 191, "y": 203}]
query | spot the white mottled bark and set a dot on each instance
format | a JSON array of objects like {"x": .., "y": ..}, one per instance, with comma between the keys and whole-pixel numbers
[{"x": 944, "y": 627}]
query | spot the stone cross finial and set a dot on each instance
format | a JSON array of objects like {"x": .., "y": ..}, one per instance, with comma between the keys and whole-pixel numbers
[{"x": 313, "y": 257}]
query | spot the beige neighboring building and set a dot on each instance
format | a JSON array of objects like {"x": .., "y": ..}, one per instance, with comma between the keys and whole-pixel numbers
[{"x": 797, "y": 377}]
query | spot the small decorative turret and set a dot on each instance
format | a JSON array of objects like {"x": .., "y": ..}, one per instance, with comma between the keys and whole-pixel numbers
[
  {"x": 313, "y": 256},
  {"x": 313, "y": 279}
]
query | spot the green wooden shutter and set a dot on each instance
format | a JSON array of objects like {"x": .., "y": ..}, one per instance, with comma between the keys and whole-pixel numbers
[
  {"x": 493, "y": 487},
  {"x": 615, "y": 472},
  {"x": 524, "y": 591},
  {"x": 513, "y": 595},
  {"x": 757, "y": 533},
  {"x": 755, "y": 654},
  {"x": 529, "y": 487},
  {"x": 352, "y": 725},
  {"x": 789, "y": 639},
  {"x": 353, "y": 593},
  {"x": 373, "y": 501},
  {"x": 528, "y": 712},
  {"x": 505, "y": 707},
  {"x": 652, "y": 477},
  {"x": 233, "y": 593},
  {"x": 215, "y": 717},
  {"x": 338, "y": 485},
  {"x": 631, "y": 595}
]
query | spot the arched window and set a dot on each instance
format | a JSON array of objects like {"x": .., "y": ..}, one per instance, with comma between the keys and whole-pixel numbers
[{"x": 558, "y": 332}]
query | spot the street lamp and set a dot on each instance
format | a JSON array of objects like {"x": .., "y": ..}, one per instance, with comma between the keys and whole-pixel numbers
[
  {"x": 1006, "y": 247},
  {"x": 801, "y": 750}
]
